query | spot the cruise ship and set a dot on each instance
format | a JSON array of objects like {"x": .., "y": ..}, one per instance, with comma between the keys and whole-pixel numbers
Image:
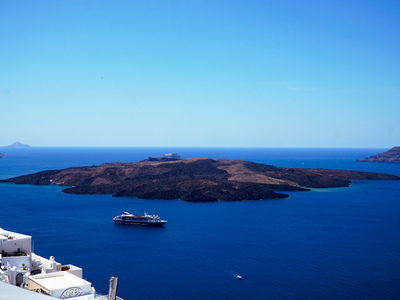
[
  {"x": 26, "y": 275},
  {"x": 146, "y": 219}
]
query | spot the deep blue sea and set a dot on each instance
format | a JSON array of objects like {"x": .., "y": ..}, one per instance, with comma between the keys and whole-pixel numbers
[{"x": 339, "y": 243}]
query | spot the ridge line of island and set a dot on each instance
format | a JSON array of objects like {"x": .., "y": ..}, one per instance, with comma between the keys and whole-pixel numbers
[
  {"x": 390, "y": 156},
  {"x": 194, "y": 179}
]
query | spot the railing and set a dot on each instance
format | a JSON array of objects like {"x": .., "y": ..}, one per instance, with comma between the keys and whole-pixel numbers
[
  {"x": 15, "y": 253},
  {"x": 105, "y": 297}
]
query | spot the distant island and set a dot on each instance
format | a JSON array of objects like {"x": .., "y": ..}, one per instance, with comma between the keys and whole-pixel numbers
[
  {"x": 390, "y": 156},
  {"x": 194, "y": 180},
  {"x": 167, "y": 157},
  {"x": 18, "y": 145}
]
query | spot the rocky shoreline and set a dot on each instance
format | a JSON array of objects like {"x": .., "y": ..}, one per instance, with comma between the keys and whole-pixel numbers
[
  {"x": 194, "y": 180},
  {"x": 390, "y": 156}
]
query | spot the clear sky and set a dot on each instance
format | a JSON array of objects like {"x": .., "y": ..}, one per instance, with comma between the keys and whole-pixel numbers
[{"x": 212, "y": 73}]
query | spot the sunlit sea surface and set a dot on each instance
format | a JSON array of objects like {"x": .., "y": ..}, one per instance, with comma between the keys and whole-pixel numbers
[{"x": 339, "y": 243}]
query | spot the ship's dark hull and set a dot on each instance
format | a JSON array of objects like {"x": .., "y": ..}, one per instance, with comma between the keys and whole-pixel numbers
[{"x": 153, "y": 224}]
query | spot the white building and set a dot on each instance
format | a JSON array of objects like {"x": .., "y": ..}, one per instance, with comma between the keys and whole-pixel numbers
[{"x": 22, "y": 268}]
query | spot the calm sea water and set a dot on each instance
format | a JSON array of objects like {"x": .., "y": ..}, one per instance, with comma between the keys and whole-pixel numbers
[{"x": 341, "y": 243}]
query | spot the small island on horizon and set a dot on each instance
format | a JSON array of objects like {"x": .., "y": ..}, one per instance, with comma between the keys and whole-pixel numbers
[
  {"x": 390, "y": 156},
  {"x": 194, "y": 179},
  {"x": 17, "y": 145}
]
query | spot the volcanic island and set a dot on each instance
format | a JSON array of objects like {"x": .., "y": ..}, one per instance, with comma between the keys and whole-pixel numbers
[
  {"x": 390, "y": 156},
  {"x": 194, "y": 179}
]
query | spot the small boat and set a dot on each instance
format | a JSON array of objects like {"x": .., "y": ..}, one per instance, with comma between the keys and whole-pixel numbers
[
  {"x": 146, "y": 219},
  {"x": 239, "y": 277}
]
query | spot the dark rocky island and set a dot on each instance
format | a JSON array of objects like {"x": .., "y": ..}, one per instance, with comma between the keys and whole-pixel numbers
[
  {"x": 194, "y": 180},
  {"x": 390, "y": 156}
]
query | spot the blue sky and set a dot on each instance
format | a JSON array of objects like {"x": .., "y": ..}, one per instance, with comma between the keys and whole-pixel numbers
[{"x": 200, "y": 73}]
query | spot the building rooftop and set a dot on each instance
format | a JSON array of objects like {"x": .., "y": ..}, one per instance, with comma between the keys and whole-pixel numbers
[
  {"x": 59, "y": 280},
  {"x": 12, "y": 235}
]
